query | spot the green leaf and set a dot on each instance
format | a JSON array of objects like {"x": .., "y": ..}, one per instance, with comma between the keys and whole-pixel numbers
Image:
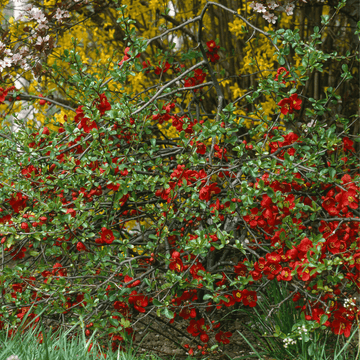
[
  {"x": 281, "y": 60},
  {"x": 157, "y": 302},
  {"x": 270, "y": 192},
  {"x": 332, "y": 172},
  {"x": 168, "y": 313},
  {"x": 113, "y": 322},
  {"x": 323, "y": 319}
]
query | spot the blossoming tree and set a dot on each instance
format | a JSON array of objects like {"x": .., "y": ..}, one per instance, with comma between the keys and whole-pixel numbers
[{"x": 161, "y": 204}]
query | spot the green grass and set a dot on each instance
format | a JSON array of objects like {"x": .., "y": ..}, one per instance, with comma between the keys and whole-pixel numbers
[
  {"x": 318, "y": 344},
  {"x": 26, "y": 347}
]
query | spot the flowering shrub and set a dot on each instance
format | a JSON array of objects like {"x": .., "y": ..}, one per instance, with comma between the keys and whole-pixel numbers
[{"x": 123, "y": 223}]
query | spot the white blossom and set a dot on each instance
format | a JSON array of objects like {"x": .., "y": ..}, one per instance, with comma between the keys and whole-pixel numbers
[
  {"x": 260, "y": 8},
  {"x": 289, "y": 9},
  {"x": 272, "y": 5},
  {"x": 16, "y": 58},
  {"x": 41, "y": 40}
]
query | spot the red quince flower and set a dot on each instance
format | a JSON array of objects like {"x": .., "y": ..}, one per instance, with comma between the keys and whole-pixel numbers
[
  {"x": 81, "y": 247},
  {"x": 208, "y": 191},
  {"x": 42, "y": 102},
  {"x": 139, "y": 301},
  {"x": 252, "y": 218},
  {"x": 222, "y": 337},
  {"x": 102, "y": 104},
  {"x": 249, "y": 298},
  {"x": 285, "y": 274},
  {"x": 349, "y": 198},
  {"x": 3, "y": 93},
  {"x": 18, "y": 202},
  {"x": 211, "y": 45},
  {"x": 281, "y": 71},
  {"x": 201, "y": 148},
  {"x": 187, "y": 312},
  {"x": 58, "y": 270},
  {"x": 241, "y": 270},
  {"x": 195, "y": 269},
  {"x": 237, "y": 294},
  {"x": 176, "y": 265},
  {"x": 288, "y": 105},
  {"x": 305, "y": 245},
  {"x": 348, "y": 144},
  {"x": 87, "y": 125},
  {"x": 79, "y": 114},
  {"x": 107, "y": 235},
  {"x": 303, "y": 274},
  {"x": 341, "y": 326}
]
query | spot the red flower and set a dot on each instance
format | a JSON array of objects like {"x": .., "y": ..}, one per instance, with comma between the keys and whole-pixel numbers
[
  {"x": 79, "y": 114},
  {"x": 329, "y": 205},
  {"x": 348, "y": 144},
  {"x": 25, "y": 227},
  {"x": 237, "y": 294},
  {"x": 281, "y": 71},
  {"x": 241, "y": 269},
  {"x": 229, "y": 302},
  {"x": 208, "y": 191},
  {"x": 211, "y": 45},
  {"x": 176, "y": 265},
  {"x": 107, "y": 235},
  {"x": 58, "y": 270},
  {"x": 72, "y": 212},
  {"x": 252, "y": 219},
  {"x": 303, "y": 274},
  {"x": 273, "y": 258},
  {"x": 196, "y": 327},
  {"x": 213, "y": 57},
  {"x": 164, "y": 68},
  {"x": 139, "y": 301},
  {"x": 285, "y": 274},
  {"x": 195, "y": 269},
  {"x": 87, "y": 125},
  {"x": 288, "y": 105},
  {"x": 305, "y": 245},
  {"x": 128, "y": 278},
  {"x": 187, "y": 312},
  {"x": 341, "y": 326},
  {"x": 18, "y": 202},
  {"x": 42, "y": 102},
  {"x": 103, "y": 104},
  {"x": 3, "y": 94},
  {"x": 80, "y": 246},
  {"x": 204, "y": 337},
  {"x": 249, "y": 298},
  {"x": 222, "y": 337},
  {"x": 201, "y": 148},
  {"x": 349, "y": 198}
]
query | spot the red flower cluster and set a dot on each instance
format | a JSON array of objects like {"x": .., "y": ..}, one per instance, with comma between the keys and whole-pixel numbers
[
  {"x": 288, "y": 105},
  {"x": 281, "y": 72},
  {"x": 198, "y": 78},
  {"x": 127, "y": 56},
  {"x": 164, "y": 67},
  {"x": 84, "y": 122},
  {"x": 164, "y": 114},
  {"x": 4, "y": 92},
  {"x": 139, "y": 301},
  {"x": 102, "y": 104},
  {"x": 106, "y": 236},
  {"x": 212, "y": 53}
]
